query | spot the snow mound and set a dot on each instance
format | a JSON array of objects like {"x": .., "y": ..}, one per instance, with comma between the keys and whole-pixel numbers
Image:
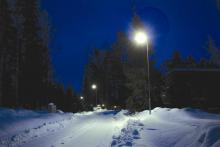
[
  {"x": 165, "y": 127},
  {"x": 171, "y": 127},
  {"x": 18, "y": 126}
]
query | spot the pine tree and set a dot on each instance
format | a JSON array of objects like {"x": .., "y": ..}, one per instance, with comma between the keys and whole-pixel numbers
[
  {"x": 86, "y": 88},
  {"x": 214, "y": 52},
  {"x": 8, "y": 56},
  {"x": 136, "y": 74},
  {"x": 175, "y": 62},
  {"x": 70, "y": 104},
  {"x": 203, "y": 63},
  {"x": 190, "y": 62},
  {"x": 34, "y": 61},
  {"x": 115, "y": 89},
  {"x": 58, "y": 96},
  {"x": 94, "y": 74}
]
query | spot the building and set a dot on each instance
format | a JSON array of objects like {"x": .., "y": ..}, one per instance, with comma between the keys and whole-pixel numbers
[{"x": 192, "y": 88}]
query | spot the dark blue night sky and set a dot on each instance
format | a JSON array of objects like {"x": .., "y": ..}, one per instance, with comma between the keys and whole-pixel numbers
[{"x": 81, "y": 25}]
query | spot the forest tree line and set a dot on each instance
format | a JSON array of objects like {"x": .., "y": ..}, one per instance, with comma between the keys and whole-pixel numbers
[
  {"x": 26, "y": 74},
  {"x": 120, "y": 73}
]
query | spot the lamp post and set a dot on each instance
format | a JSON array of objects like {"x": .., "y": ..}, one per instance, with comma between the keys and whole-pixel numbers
[
  {"x": 141, "y": 39},
  {"x": 94, "y": 87},
  {"x": 82, "y": 102}
]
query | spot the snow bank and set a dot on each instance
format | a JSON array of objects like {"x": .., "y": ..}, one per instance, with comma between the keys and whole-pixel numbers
[
  {"x": 171, "y": 127},
  {"x": 164, "y": 127},
  {"x": 31, "y": 128},
  {"x": 19, "y": 125}
]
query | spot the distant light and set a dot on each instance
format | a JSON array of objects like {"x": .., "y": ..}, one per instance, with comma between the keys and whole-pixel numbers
[
  {"x": 115, "y": 107},
  {"x": 98, "y": 105},
  {"x": 94, "y": 86},
  {"x": 103, "y": 105},
  {"x": 140, "y": 37},
  {"x": 81, "y": 97}
]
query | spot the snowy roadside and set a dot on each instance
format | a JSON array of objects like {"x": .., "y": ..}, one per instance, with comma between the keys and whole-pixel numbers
[
  {"x": 171, "y": 128},
  {"x": 29, "y": 128},
  {"x": 164, "y": 128},
  {"x": 18, "y": 126}
]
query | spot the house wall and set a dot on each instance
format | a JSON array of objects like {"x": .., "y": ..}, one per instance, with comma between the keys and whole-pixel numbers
[{"x": 194, "y": 88}]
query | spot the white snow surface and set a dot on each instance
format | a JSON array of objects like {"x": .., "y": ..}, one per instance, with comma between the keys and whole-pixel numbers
[{"x": 105, "y": 128}]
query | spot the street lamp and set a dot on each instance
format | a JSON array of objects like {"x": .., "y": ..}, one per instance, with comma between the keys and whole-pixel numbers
[
  {"x": 141, "y": 39},
  {"x": 94, "y": 87}
]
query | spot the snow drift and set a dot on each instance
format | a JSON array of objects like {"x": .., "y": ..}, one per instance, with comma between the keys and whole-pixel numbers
[{"x": 164, "y": 128}]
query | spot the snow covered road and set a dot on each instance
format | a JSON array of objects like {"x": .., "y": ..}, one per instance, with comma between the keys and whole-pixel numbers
[
  {"x": 90, "y": 130},
  {"x": 164, "y": 128},
  {"x": 84, "y": 129}
]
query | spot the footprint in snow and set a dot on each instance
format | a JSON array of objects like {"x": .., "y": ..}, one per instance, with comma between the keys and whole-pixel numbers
[
  {"x": 114, "y": 142},
  {"x": 128, "y": 144},
  {"x": 151, "y": 129},
  {"x": 202, "y": 138},
  {"x": 27, "y": 131},
  {"x": 140, "y": 124},
  {"x": 136, "y": 134},
  {"x": 13, "y": 138}
]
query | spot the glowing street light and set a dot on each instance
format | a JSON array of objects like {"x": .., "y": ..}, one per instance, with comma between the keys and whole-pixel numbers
[
  {"x": 81, "y": 97},
  {"x": 94, "y": 87},
  {"x": 141, "y": 39}
]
